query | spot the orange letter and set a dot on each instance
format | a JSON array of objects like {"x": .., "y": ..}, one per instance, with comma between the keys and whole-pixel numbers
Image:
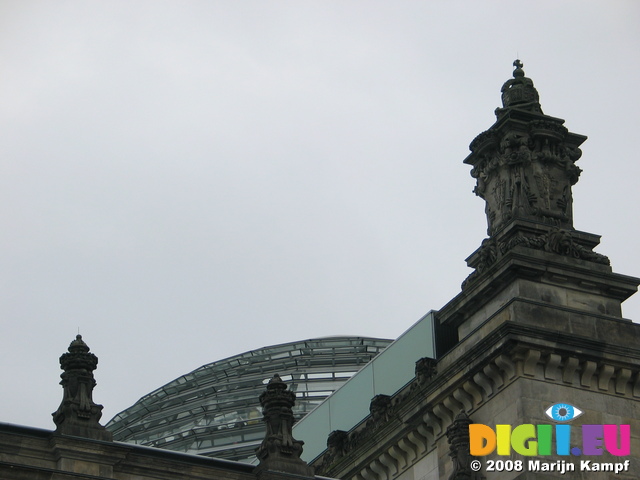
[{"x": 482, "y": 440}]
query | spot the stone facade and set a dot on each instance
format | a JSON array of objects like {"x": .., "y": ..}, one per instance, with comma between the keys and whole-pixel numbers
[
  {"x": 35, "y": 454},
  {"x": 538, "y": 322}
]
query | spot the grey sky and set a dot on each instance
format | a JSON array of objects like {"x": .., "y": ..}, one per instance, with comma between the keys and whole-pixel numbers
[{"x": 184, "y": 181}]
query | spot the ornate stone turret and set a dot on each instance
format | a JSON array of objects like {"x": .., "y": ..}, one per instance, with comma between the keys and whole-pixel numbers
[
  {"x": 77, "y": 414},
  {"x": 525, "y": 163},
  {"x": 279, "y": 451},
  {"x": 525, "y": 166}
]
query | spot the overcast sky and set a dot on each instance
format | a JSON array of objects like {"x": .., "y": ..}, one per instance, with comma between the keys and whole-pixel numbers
[{"x": 184, "y": 181}]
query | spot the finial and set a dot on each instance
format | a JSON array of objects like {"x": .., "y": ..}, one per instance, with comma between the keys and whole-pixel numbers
[
  {"x": 78, "y": 415},
  {"x": 78, "y": 345},
  {"x": 519, "y": 92},
  {"x": 276, "y": 383},
  {"x": 279, "y": 451},
  {"x": 518, "y": 72}
]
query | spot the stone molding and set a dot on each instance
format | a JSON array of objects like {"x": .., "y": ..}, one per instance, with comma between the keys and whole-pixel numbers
[
  {"x": 556, "y": 241},
  {"x": 540, "y": 266},
  {"x": 28, "y": 453},
  {"x": 419, "y": 415}
]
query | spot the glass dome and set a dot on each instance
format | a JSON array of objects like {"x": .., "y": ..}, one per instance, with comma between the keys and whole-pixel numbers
[{"x": 214, "y": 410}]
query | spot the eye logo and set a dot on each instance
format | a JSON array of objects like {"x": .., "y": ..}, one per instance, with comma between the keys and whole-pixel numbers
[{"x": 563, "y": 412}]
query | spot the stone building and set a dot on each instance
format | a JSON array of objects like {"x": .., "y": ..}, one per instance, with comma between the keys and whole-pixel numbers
[
  {"x": 536, "y": 370},
  {"x": 537, "y": 325},
  {"x": 81, "y": 448}
]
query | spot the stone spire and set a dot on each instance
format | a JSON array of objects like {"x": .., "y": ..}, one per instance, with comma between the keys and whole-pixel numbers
[
  {"x": 77, "y": 414},
  {"x": 279, "y": 451},
  {"x": 534, "y": 267},
  {"x": 525, "y": 167}
]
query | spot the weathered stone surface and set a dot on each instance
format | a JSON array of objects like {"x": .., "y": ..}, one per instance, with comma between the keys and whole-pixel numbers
[
  {"x": 525, "y": 163},
  {"x": 458, "y": 436},
  {"x": 279, "y": 451},
  {"x": 30, "y": 453},
  {"x": 78, "y": 415}
]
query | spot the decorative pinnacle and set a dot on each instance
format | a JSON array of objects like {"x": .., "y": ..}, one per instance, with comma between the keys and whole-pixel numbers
[
  {"x": 77, "y": 414},
  {"x": 519, "y": 92},
  {"x": 78, "y": 357},
  {"x": 279, "y": 451},
  {"x": 78, "y": 345},
  {"x": 518, "y": 72},
  {"x": 276, "y": 393}
]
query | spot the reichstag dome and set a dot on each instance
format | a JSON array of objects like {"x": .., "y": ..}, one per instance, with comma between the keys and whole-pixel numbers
[{"x": 215, "y": 411}]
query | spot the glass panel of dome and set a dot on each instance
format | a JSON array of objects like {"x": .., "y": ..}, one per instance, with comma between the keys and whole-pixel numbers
[{"x": 233, "y": 386}]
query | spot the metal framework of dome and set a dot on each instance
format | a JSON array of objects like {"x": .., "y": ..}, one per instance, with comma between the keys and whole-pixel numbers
[{"x": 215, "y": 411}]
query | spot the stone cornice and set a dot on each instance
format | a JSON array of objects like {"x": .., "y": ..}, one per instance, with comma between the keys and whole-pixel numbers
[
  {"x": 42, "y": 450},
  {"x": 556, "y": 335},
  {"x": 523, "y": 262},
  {"x": 419, "y": 415}
]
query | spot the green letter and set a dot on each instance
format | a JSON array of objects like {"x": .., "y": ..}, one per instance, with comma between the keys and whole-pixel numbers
[{"x": 523, "y": 440}]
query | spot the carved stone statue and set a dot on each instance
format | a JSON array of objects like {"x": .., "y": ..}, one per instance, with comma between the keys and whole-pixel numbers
[
  {"x": 78, "y": 415},
  {"x": 426, "y": 369},
  {"x": 337, "y": 443}
]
